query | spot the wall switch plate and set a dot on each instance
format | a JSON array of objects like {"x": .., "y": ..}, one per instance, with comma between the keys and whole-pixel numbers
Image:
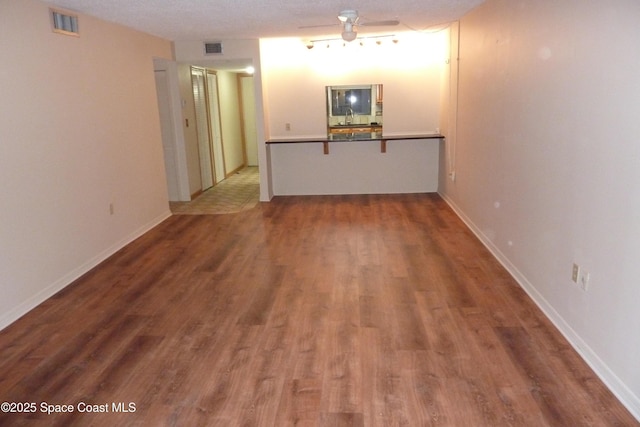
[{"x": 575, "y": 273}]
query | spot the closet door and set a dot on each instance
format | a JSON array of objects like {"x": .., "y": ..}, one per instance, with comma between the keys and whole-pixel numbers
[
  {"x": 216, "y": 126},
  {"x": 202, "y": 126}
]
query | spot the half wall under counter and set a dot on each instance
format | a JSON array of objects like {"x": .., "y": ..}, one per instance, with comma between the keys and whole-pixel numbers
[{"x": 366, "y": 163}]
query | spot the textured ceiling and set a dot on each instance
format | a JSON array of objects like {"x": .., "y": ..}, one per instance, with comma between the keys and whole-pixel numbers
[{"x": 182, "y": 20}]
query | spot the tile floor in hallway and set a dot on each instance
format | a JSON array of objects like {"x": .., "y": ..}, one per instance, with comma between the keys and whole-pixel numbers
[{"x": 239, "y": 192}]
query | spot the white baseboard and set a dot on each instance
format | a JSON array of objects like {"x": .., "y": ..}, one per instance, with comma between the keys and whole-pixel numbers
[
  {"x": 630, "y": 400},
  {"x": 20, "y": 310}
]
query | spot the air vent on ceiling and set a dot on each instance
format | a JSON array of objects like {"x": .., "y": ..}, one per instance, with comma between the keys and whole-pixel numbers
[
  {"x": 212, "y": 48},
  {"x": 64, "y": 23}
]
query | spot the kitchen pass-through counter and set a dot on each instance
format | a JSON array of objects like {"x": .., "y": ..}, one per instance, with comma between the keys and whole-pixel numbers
[{"x": 355, "y": 163}]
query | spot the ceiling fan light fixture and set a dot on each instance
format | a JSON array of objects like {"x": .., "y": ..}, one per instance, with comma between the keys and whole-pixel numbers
[
  {"x": 349, "y": 33},
  {"x": 349, "y": 36}
]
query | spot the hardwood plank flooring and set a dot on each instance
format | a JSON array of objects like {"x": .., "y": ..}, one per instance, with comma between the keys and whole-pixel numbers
[{"x": 310, "y": 311}]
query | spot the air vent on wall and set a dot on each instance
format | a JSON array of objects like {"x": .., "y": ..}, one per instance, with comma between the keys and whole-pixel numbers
[
  {"x": 212, "y": 48},
  {"x": 64, "y": 23}
]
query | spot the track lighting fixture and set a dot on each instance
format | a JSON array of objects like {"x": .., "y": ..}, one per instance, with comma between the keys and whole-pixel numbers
[{"x": 349, "y": 35}]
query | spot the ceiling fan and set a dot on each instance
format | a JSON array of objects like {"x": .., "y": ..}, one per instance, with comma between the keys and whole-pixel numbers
[{"x": 350, "y": 20}]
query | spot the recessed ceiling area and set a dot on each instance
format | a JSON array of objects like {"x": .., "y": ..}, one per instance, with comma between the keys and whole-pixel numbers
[{"x": 183, "y": 20}]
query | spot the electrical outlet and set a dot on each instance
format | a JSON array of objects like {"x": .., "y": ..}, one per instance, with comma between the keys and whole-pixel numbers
[
  {"x": 287, "y": 126},
  {"x": 575, "y": 273}
]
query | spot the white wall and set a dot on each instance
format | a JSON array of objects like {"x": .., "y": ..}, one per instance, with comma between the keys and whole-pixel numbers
[
  {"x": 295, "y": 79},
  {"x": 79, "y": 130},
  {"x": 546, "y": 160}
]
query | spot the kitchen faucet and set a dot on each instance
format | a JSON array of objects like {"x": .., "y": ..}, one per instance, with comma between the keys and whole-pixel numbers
[{"x": 348, "y": 117}]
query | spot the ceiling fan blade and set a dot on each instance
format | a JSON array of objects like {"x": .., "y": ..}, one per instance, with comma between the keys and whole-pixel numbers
[
  {"x": 319, "y": 26},
  {"x": 379, "y": 23}
]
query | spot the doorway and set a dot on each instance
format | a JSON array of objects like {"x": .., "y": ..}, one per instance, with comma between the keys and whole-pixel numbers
[{"x": 209, "y": 108}]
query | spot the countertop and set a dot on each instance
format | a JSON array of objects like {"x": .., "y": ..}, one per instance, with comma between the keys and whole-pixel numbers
[{"x": 364, "y": 136}]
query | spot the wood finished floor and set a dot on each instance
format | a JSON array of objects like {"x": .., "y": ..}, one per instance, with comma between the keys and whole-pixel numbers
[{"x": 314, "y": 311}]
